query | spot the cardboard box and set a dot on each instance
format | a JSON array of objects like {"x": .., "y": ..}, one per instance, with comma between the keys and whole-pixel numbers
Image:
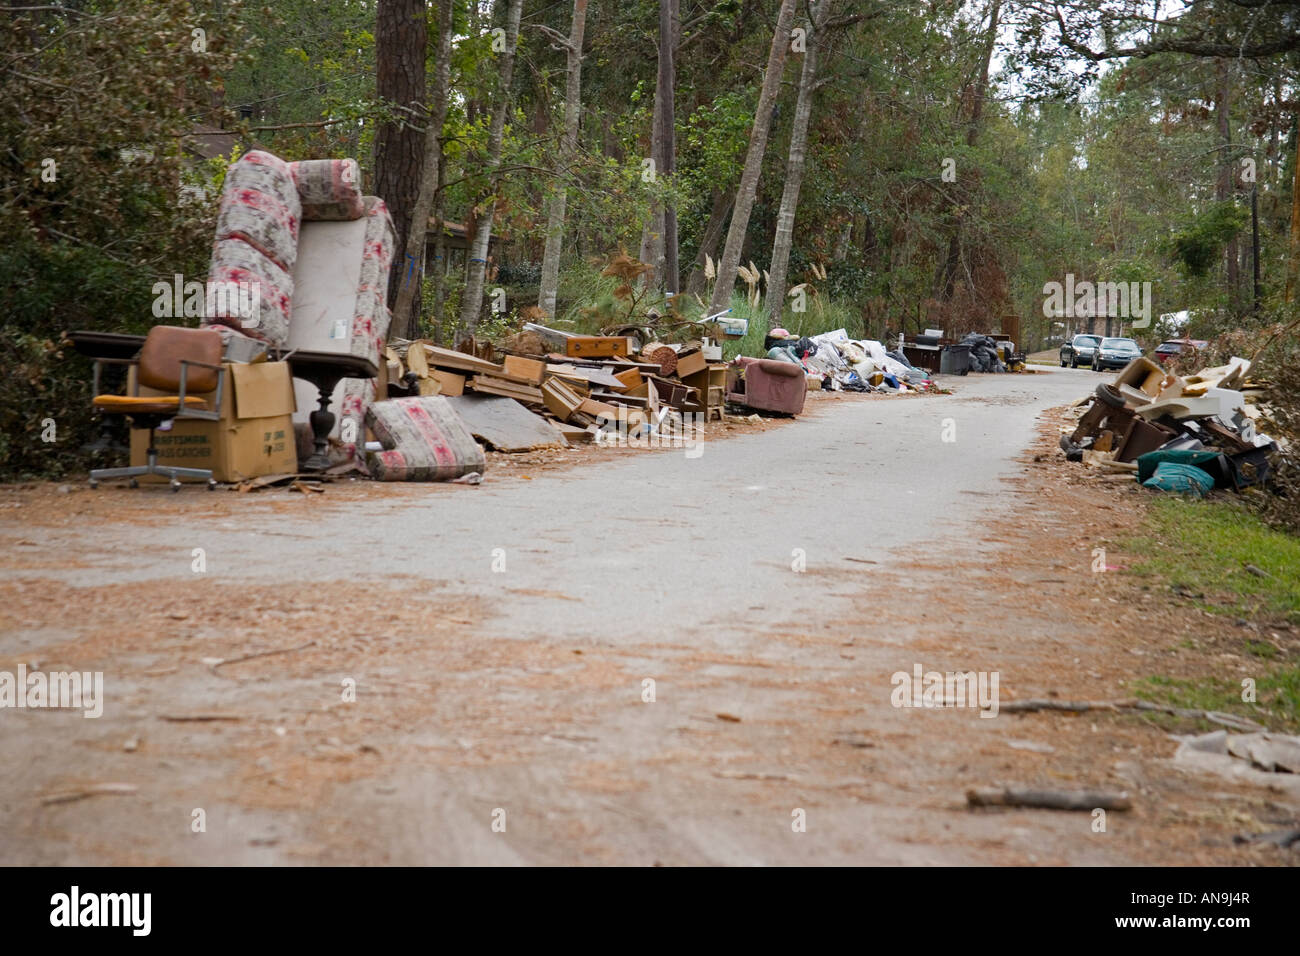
[{"x": 254, "y": 435}]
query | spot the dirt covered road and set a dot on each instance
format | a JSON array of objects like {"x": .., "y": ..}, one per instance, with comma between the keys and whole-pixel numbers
[{"x": 619, "y": 657}]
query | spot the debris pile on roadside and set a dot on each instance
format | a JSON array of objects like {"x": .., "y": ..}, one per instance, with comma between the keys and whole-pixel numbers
[
  {"x": 552, "y": 389},
  {"x": 976, "y": 352},
  {"x": 1189, "y": 433},
  {"x": 834, "y": 362}
]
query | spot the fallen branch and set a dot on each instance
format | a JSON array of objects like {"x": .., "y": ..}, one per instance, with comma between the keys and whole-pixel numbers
[
  {"x": 197, "y": 718},
  {"x": 248, "y": 657},
  {"x": 742, "y": 775},
  {"x": 1049, "y": 799},
  {"x": 1082, "y": 706},
  {"x": 81, "y": 793}
]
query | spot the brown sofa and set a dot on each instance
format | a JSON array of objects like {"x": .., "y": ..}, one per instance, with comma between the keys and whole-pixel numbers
[{"x": 770, "y": 385}]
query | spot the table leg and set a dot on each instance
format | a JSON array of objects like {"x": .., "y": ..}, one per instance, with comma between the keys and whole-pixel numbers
[{"x": 322, "y": 423}]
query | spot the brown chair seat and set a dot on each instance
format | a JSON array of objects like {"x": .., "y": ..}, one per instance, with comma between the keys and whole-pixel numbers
[{"x": 146, "y": 404}]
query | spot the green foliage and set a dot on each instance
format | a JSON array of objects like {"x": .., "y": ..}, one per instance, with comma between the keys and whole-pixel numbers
[
  {"x": 1203, "y": 547},
  {"x": 94, "y": 209},
  {"x": 1199, "y": 244}
]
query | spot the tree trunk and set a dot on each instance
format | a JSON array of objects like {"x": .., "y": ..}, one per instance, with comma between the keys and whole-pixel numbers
[
  {"x": 795, "y": 167},
  {"x": 400, "y": 38},
  {"x": 568, "y": 152},
  {"x": 440, "y": 253},
  {"x": 1224, "y": 187},
  {"x": 667, "y": 155},
  {"x": 652, "y": 234},
  {"x": 406, "y": 303},
  {"x": 472, "y": 300},
  {"x": 722, "y": 200},
  {"x": 953, "y": 262},
  {"x": 748, "y": 187}
]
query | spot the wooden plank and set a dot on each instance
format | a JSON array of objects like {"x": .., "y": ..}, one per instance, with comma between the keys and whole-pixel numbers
[
  {"x": 688, "y": 363},
  {"x": 415, "y": 360},
  {"x": 621, "y": 398},
  {"x": 447, "y": 358},
  {"x": 593, "y": 376},
  {"x": 631, "y": 378},
  {"x": 528, "y": 371},
  {"x": 501, "y": 386},
  {"x": 450, "y": 382}
]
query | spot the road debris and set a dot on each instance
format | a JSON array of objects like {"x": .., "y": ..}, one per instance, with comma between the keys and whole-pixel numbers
[
  {"x": 1186, "y": 434},
  {"x": 1085, "y": 800},
  {"x": 92, "y": 790}
]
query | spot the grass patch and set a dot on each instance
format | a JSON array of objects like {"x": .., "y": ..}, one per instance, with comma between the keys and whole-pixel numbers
[
  {"x": 1276, "y": 704},
  {"x": 1202, "y": 549}
]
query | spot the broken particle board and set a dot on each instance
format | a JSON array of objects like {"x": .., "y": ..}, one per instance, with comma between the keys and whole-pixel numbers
[
  {"x": 458, "y": 361},
  {"x": 505, "y": 425},
  {"x": 502, "y": 386}
]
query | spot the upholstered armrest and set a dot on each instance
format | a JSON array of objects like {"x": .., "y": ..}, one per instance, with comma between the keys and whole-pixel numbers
[{"x": 774, "y": 367}]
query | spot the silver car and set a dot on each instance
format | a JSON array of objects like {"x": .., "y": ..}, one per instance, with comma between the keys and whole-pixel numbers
[{"x": 1114, "y": 353}]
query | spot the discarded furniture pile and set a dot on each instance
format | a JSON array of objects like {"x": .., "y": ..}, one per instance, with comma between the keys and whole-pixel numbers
[
  {"x": 976, "y": 352},
  {"x": 1189, "y": 433},
  {"x": 834, "y": 362},
  {"x": 554, "y": 388},
  {"x": 296, "y": 291},
  {"x": 293, "y": 374}
]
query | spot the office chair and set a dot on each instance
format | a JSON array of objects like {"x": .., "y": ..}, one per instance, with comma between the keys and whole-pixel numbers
[{"x": 172, "y": 361}]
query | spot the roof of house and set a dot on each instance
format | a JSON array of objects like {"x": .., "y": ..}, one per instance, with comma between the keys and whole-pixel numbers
[{"x": 209, "y": 142}]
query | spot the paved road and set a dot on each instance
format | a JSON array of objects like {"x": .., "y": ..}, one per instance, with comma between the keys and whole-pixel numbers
[
  {"x": 694, "y": 536},
  {"x": 677, "y": 566}
]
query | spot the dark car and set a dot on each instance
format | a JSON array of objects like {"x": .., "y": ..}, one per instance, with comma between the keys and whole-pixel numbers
[
  {"x": 1115, "y": 353},
  {"x": 1079, "y": 350},
  {"x": 1165, "y": 351}
]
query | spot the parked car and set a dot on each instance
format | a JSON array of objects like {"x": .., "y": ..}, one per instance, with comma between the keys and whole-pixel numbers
[
  {"x": 1167, "y": 350},
  {"x": 1079, "y": 350},
  {"x": 1115, "y": 353}
]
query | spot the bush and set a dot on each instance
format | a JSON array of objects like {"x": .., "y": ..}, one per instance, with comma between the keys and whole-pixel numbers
[
  {"x": 93, "y": 212},
  {"x": 1282, "y": 371}
]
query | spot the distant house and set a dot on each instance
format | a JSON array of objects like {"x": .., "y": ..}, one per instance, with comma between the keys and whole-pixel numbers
[
  {"x": 203, "y": 143},
  {"x": 456, "y": 242}
]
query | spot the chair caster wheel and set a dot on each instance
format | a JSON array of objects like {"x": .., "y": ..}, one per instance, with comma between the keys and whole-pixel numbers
[
  {"x": 133, "y": 483},
  {"x": 94, "y": 483},
  {"x": 175, "y": 485},
  {"x": 212, "y": 484}
]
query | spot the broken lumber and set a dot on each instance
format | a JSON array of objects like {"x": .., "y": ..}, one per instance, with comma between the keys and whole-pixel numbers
[
  {"x": 1082, "y": 706},
  {"x": 458, "y": 361},
  {"x": 501, "y": 386},
  {"x": 1085, "y": 800}
]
